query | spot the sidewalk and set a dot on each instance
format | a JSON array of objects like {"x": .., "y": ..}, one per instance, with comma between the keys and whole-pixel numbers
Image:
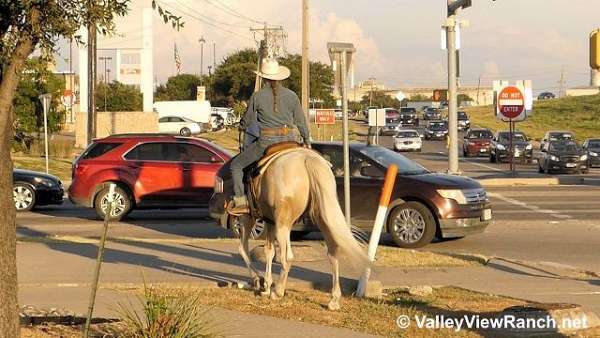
[{"x": 58, "y": 274}]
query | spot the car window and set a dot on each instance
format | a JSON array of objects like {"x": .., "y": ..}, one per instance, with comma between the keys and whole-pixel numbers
[
  {"x": 154, "y": 151},
  {"x": 563, "y": 146},
  {"x": 408, "y": 134},
  {"x": 517, "y": 137},
  {"x": 193, "y": 153},
  {"x": 594, "y": 144},
  {"x": 437, "y": 125},
  {"x": 387, "y": 157},
  {"x": 177, "y": 119},
  {"x": 335, "y": 156},
  {"x": 479, "y": 134},
  {"x": 163, "y": 120},
  {"x": 99, "y": 149},
  {"x": 560, "y": 136},
  {"x": 462, "y": 115}
]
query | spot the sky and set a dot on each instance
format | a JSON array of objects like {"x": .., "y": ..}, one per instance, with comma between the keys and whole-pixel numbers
[{"x": 397, "y": 41}]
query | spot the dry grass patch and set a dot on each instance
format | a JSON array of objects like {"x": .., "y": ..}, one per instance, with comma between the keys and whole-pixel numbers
[
  {"x": 58, "y": 167},
  {"x": 396, "y": 257}
]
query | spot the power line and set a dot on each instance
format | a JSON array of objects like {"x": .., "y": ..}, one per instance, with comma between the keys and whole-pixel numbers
[
  {"x": 208, "y": 18},
  {"x": 223, "y": 7}
]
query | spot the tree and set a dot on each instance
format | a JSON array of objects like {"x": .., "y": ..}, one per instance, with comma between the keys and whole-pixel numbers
[
  {"x": 234, "y": 79},
  {"x": 119, "y": 97},
  {"x": 420, "y": 97},
  {"x": 179, "y": 87},
  {"x": 380, "y": 99},
  {"x": 27, "y": 25},
  {"x": 463, "y": 98},
  {"x": 27, "y": 107}
]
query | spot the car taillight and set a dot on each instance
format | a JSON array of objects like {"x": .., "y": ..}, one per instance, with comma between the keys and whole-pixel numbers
[{"x": 218, "y": 185}]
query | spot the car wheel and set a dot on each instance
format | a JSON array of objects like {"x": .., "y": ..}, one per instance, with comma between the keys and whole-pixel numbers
[
  {"x": 258, "y": 231},
  {"x": 585, "y": 171},
  {"x": 492, "y": 158},
  {"x": 465, "y": 153},
  {"x": 185, "y": 132},
  {"x": 122, "y": 204},
  {"x": 411, "y": 225},
  {"x": 23, "y": 197},
  {"x": 419, "y": 150}
]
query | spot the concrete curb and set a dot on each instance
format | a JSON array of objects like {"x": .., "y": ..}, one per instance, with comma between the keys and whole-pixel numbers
[{"x": 533, "y": 181}]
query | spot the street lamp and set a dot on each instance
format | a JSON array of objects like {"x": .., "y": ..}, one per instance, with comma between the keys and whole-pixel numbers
[
  {"x": 202, "y": 41},
  {"x": 105, "y": 59}
]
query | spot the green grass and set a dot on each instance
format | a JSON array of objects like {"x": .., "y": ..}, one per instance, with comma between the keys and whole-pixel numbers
[{"x": 580, "y": 115}]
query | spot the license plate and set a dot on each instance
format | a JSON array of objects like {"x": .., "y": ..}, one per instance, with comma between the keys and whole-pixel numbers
[
  {"x": 487, "y": 214},
  {"x": 483, "y": 150},
  {"x": 571, "y": 165}
]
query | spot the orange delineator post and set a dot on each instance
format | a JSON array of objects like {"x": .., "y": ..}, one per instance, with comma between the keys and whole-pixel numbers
[{"x": 384, "y": 201}]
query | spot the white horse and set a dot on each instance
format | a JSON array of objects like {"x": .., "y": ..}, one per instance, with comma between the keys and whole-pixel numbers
[{"x": 292, "y": 182}]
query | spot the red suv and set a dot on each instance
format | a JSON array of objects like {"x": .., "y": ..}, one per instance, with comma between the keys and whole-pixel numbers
[{"x": 150, "y": 170}]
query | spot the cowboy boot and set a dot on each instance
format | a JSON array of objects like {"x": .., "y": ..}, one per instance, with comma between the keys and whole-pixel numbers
[{"x": 239, "y": 206}]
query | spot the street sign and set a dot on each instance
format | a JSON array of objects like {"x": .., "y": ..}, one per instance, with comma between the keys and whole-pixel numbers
[
  {"x": 68, "y": 98},
  {"x": 376, "y": 117},
  {"x": 324, "y": 116},
  {"x": 511, "y": 102}
]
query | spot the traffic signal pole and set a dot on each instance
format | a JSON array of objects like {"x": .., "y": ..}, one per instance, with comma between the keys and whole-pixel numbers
[{"x": 452, "y": 93}]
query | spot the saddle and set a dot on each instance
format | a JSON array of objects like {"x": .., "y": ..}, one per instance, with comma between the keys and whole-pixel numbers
[{"x": 256, "y": 170}]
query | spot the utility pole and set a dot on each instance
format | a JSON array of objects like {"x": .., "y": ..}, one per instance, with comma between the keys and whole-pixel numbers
[
  {"x": 71, "y": 81},
  {"x": 91, "y": 118},
  {"x": 214, "y": 55},
  {"x": 561, "y": 83},
  {"x": 305, "y": 62},
  {"x": 451, "y": 24},
  {"x": 202, "y": 41},
  {"x": 270, "y": 46}
]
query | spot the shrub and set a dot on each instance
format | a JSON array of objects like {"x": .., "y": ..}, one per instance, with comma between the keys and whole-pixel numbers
[{"x": 167, "y": 314}]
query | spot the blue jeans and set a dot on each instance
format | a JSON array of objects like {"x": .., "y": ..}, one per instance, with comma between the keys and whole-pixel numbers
[{"x": 252, "y": 153}]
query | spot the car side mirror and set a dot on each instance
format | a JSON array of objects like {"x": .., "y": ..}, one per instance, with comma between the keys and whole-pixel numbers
[{"x": 370, "y": 171}]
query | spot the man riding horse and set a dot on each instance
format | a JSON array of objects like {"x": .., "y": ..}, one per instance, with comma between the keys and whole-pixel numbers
[{"x": 273, "y": 114}]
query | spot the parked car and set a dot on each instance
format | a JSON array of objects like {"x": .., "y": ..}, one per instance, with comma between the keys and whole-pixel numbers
[
  {"x": 436, "y": 130},
  {"x": 407, "y": 140},
  {"x": 477, "y": 142},
  {"x": 464, "y": 123},
  {"x": 32, "y": 189},
  {"x": 500, "y": 147},
  {"x": 592, "y": 146},
  {"x": 563, "y": 156},
  {"x": 546, "y": 96},
  {"x": 555, "y": 135},
  {"x": 409, "y": 117},
  {"x": 432, "y": 114},
  {"x": 339, "y": 114},
  {"x": 424, "y": 204},
  {"x": 150, "y": 170},
  {"x": 178, "y": 125}
]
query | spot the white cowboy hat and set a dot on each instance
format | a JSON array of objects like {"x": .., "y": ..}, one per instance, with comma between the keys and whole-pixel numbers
[{"x": 270, "y": 69}]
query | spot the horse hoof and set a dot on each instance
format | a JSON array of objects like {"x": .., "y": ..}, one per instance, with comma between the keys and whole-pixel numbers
[
  {"x": 266, "y": 293},
  {"x": 275, "y": 296},
  {"x": 257, "y": 283},
  {"x": 333, "y": 305}
]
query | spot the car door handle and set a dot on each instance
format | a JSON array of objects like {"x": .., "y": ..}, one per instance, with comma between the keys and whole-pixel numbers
[{"x": 187, "y": 169}]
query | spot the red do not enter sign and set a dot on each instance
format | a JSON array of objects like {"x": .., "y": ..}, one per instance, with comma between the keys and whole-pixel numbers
[{"x": 511, "y": 102}]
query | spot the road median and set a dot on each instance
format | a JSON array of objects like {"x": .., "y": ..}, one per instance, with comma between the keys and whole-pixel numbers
[{"x": 530, "y": 181}]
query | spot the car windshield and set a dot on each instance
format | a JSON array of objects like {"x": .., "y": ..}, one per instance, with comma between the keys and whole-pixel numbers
[
  {"x": 432, "y": 110},
  {"x": 387, "y": 157},
  {"x": 462, "y": 115},
  {"x": 517, "y": 137},
  {"x": 408, "y": 111},
  {"x": 565, "y": 146},
  {"x": 438, "y": 126},
  {"x": 560, "y": 136},
  {"x": 594, "y": 144},
  {"x": 483, "y": 134},
  {"x": 407, "y": 134}
]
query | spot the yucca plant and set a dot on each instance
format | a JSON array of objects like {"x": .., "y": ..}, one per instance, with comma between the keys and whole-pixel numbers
[{"x": 167, "y": 313}]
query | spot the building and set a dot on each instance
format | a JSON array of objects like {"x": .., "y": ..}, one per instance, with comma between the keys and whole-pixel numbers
[{"x": 481, "y": 95}]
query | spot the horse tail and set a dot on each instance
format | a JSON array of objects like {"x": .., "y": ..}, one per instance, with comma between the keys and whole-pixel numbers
[{"x": 325, "y": 211}]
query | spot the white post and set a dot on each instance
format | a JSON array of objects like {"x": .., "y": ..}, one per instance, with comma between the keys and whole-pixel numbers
[
  {"x": 147, "y": 86},
  {"x": 46, "y": 98},
  {"x": 384, "y": 201}
]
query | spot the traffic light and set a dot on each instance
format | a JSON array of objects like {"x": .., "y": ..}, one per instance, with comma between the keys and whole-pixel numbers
[
  {"x": 454, "y": 6},
  {"x": 595, "y": 49}
]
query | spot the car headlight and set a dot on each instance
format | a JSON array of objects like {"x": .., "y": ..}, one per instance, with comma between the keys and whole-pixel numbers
[
  {"x": 218, "y": 185},
  {"x": 554, "y": 158},
  {"x": 44, "y": 181},
  {"x": 593, "y": 154},
  {"x": 529, "y": 147},
  {"x": 454, "y": 194},
  {"x": 500, "y": 147},
  {"x": 583, "y": 158}
]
